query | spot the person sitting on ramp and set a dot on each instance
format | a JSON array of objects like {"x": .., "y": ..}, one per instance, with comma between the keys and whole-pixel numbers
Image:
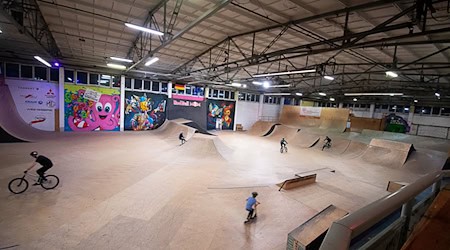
[
  {"x": 327, "y": 141},
  {"x": 181, "y": 137}
]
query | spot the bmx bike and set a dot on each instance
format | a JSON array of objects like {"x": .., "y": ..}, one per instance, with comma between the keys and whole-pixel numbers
[
  {"x": 326, "y": 145},
  {"x": 283, "y": 149},
  {"x": 20, "y": 185}
]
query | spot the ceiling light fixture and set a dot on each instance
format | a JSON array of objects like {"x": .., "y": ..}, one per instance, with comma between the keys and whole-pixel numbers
[
  {"x": 437, "y": 94},
  {"x": 329, "y": 78},
  {"x": 286, "y": 73},
  {"x": 56, "y": 64},
  {"x": 322, "y": 94},
  {"x": 116, "y": 66},
  {"x": 236, "y": 84},
  {"x": 151, "y": 61},
  {"x": 299, "y": 94},
  {"x": 43, "y": 61},
  {"x": 257, "y": 83},
  {"x": 120, "y": 59},
  {"x": 354, "y": 99},
  {"x": 244, "y": 86},
  {"x": 133, "y": 26},
  {"x": 1, "y": 31},
  {"x": 416, "y": 101},
  {"x": 373, "y": 94},
  {"x": 281, "y": 86},
  {"x": 266, "y": 84},
  {"x": 332, "y": 99},
  {"x": 391, "y": 74}
]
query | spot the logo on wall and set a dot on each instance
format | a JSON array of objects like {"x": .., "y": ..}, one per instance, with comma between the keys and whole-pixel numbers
[
  {"x": 38, "y": 119},
  {"x": 194, "y": 104},
  {"x": 29, "y": 96},
  {"x": 144, "y": 111},
  {"x": 222, "y": 111},
  {"x": 51, "y": 104},
  {"x": 50, "y": 94}
]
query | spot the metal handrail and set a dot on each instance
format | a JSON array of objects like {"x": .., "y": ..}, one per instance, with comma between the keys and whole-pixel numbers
[{"x": 342, "y": 231}]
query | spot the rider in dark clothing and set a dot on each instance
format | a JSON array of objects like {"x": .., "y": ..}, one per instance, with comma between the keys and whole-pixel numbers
[
  {"x": 283, "y": 143},
  {"x": 181, "y": 137},
  {"x": 327, "y": 141},
  {"x": 44, "y": 161}
]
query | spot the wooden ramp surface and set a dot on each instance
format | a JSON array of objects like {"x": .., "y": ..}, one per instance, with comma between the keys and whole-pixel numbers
[
  {"x": 432, "y": 232},
  {"x": 304, "y": 236}
]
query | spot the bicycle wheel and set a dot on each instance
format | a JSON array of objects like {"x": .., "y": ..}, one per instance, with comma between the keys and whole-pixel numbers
[
  {"x": 51, "y": 182},
  {"x": 281, "y": 150},
  {"x": 285, "y": 149},
  {"x": 18, "y": 185}
]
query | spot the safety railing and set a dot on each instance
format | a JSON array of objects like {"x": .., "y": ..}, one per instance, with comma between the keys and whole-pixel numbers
[{"x": 342, "y": 231}]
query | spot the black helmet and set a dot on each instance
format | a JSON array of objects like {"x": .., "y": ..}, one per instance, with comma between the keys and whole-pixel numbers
[
  {"x": 255, "y": 194},
  {"x": 34, "y": 153}
]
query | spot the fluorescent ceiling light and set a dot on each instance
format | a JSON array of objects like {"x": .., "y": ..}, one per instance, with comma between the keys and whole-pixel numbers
[
  {"x": 416, "y": 101},
  {"x": 244, "y": 86},
  {"x": 322, "y": 94},
  {"x": 151, "y": 61},
  {"x": 1, "y": 31},
  {"x": 437, "y": 94},
  {"x": 407, "y": 109},
  {"x": 120, "y": 59},
  {"x": 372, "y": 94},
  {"x": 299, "y": 94},
  {"x": 105, "y": 77},
  {"x": 116, "y": 66},
  {"x": 332, "y": 99},
  {"x": 257, "y": 83},
  {"x": 329, "y": 78},
  {"x": 286, "y": 73},
  {"x": 236, "y": 84},
  {"x": 391, "y": 74},
  {"x": 266, "y": 84},
  {"x": 281, "y": 86},
  {"x": 43, "y": 61},
  {"x": 130, "y": 25},
  {"x": 354, "y": 99},
  {"x": 277, "y": 93}
]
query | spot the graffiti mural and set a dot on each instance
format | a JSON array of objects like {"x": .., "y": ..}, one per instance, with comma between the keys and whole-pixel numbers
[
  {"x": 82, "y": 113},
  {"x": 144, "y": 111},
  {"x": 395, "y": 123},
  {"x": 220, "y": 113}
]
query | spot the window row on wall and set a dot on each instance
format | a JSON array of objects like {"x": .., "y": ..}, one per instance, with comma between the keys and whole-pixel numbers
[
  {"x": 24, "y": 71},
  {"x": 139, "y": 84},
  {"x": 248, "y": 97},
  {"x": 189, "y": 90},
  {"x": 272, "y": 99},
  {"x": 329, "y": 105},
  {"x": 442, "y": 111},
  {"x": 221, "y": 94},
  {"x": 91, "y": 78}
]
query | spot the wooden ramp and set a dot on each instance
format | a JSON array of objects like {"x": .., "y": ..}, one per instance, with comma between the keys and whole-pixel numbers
[
  {"x": 282, "y": 131},
  {"x": 297, "y": 182},
  {"x": 261, "y": 128},
  {"x": 387, "y": 153},
  {"x": 304, "y": 139},
  {"x": 432, "y": 232},
  {"x": 310, "y": 234}
]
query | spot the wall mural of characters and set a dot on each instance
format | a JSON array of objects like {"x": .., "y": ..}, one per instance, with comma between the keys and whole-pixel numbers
[
  {"x": 82, "y": 114},
  {"x": 223, "y": 110},
  {"x": 144, "y": 111}
]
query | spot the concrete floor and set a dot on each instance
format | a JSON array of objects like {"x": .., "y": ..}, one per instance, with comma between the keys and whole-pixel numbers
[{"x": 137, "y": 190}]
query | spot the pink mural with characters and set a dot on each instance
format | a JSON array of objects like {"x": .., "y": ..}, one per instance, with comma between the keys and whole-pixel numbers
[{"x": 91, "y": 108}]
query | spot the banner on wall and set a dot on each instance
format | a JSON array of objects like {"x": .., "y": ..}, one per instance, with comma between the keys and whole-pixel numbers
[
  {"x": 144, "y": 111},
  {"x": 36, "y": 102},
  {"x": 220, "y": 113},
  {"x": 82, "y": 114},
  {"x": 194, "y": 104},
  {"x": 310, "y": 111}
]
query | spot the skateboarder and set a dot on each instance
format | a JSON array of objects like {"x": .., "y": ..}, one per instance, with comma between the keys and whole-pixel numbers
[
  {"x": 181, "y": 137},
  {"x": 251, "y": 207},
  {"x": 327, "y": 141}
]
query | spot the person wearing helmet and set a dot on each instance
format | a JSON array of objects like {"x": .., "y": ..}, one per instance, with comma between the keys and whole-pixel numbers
[
  {"x": 251, "y": 206},
  {"x": 283, "y": 142},
  {"x": 327, "y": 141},
  {"x": 181, "y": 137},
  {"x": 46, "y": 165}
]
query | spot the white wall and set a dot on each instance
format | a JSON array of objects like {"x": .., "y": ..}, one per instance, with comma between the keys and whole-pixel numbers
[
  {"x": 246, "y": 113},
  {"x": 271, "y": 110}
]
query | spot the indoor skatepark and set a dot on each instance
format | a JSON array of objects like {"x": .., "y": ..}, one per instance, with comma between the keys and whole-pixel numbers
[{"x": 105, "y": 88}]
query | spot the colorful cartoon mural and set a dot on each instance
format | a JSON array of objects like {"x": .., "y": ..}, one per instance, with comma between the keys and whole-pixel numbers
[
  {"x": 144, "y": 111},
  {"x": 82, "y": 114},
  {"x": 395, "y": 123},
  {"x": 224, "y": 110}
]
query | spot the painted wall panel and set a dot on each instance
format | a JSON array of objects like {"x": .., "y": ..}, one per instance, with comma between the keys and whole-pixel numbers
[
  {"x": 144, "y": 111},
  {"x": 195, "y": 113},
  {"x": 36, "y": 102},
  {"x": 220, "y": 109},
  {"x": 247, "y": 113}
]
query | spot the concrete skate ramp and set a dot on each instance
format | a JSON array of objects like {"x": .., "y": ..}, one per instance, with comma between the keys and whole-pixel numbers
[
  {"x": 261, "y": 128},
  {"x": 13, "y": 126},
  {"x": 283, "y": 131},
  {"x": 387, "y": 153},
  {"x": 338, "y": 145},
  {"x": 204, "y": 147},
  {"x": 172, "y": 130},
  {"x": 304, "y": 139}
]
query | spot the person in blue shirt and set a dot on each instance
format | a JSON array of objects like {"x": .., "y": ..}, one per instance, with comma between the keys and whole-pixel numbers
[{"x": 251, "y": 206}]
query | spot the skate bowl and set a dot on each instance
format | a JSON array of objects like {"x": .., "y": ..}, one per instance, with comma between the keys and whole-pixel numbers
[
  {"x": 387, "y": 153},
  {"x": 283, "y": 131},
  {"x": 13, "y": 127},
  {"x": 304, "y": 139},
  {"x": 204, "y": 146},
  {"x": 261, "y": 128}
]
